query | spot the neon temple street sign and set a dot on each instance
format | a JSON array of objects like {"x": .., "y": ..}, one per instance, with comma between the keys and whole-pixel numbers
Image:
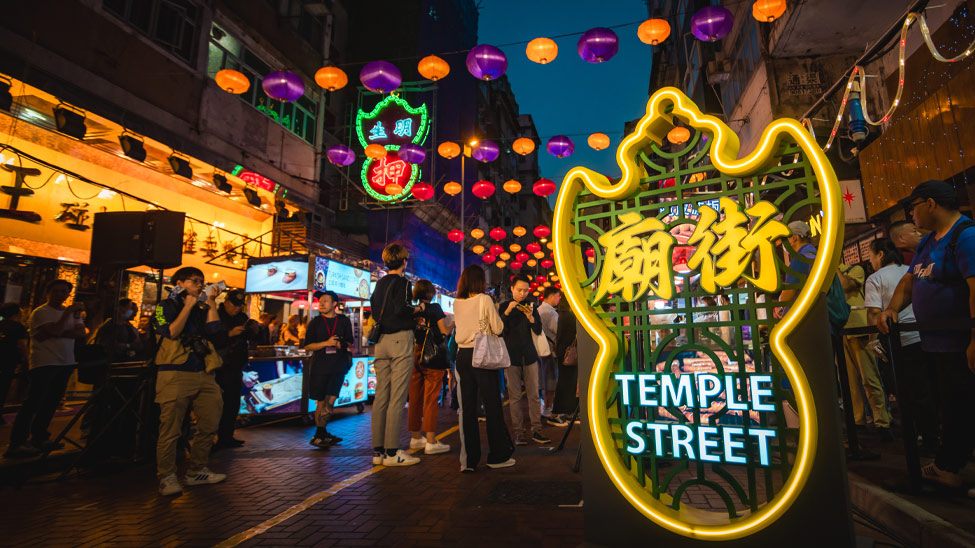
[{"x": 392, "y": 124}]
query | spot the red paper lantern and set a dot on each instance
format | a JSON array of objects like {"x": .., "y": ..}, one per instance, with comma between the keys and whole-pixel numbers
[
  {"x": 515, "y": 265},
  {"x": 522, "y": 257},
  {"x": 590, "y": 252},
  {"x": 423, "y": 191},
  {"x": 487, "y": 258},
  {"x": 540, "y": 279},
  {"x": 541, "y": 231},
  {"x": 557, "y": 285},
  {"x": 496, "y": 250},
  {"x": 543, "y": 187},
  {"x": 533, "y": 248},
  {"x": 482, "y": 189},
  {"x": 455, "y": 236},
  {"x": 533, "y": 285},
  {"x": 497, "y": 233},
  {"x": 546, "y": 263}
]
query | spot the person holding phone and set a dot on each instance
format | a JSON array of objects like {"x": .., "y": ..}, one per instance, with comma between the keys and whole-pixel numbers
[
  {"x": 53, "y": 331},
  {"x": 329, "y": 336}
]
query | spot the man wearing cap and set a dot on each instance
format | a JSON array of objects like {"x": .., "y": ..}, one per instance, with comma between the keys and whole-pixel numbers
[
  {"x": 236, "y": 329},
  {"x": 941, "y": 285},
  {"x": 861, "y": 367},
  {"x": 801, "y": 243}
]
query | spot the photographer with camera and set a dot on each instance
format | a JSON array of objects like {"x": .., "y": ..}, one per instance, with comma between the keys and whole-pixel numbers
[
  {"x": 53, "y": 331},
  {"x": 329, "y": 336},
  {"x": 185, "y": 324},
  {"x": 237, "y": 330}
]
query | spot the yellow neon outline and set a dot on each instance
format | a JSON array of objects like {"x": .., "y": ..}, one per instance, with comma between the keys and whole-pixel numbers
[{"x": 724, "y": 156}]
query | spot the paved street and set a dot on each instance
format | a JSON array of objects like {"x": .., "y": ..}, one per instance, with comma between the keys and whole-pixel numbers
[{"x": 341, "y": 498}]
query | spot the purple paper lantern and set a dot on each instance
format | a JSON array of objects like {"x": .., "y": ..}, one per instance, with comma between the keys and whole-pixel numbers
[
  {"x": 561, "y": 146},
  {"x": 340, "y": 155},
  {"x": 412, "y": 154},
  {"x": 486, "y": 62},
  {"x": 598, "y": 45},
  {"x": 712, "y": 23},
  {"x": 485, "y": 151},
  {"x": 380, "y": 77},
  {"x": 283, "y": 86}
]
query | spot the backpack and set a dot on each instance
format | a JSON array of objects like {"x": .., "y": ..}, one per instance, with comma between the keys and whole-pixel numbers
[
  {"x": 952, "y": 242},
  {"x": 837, "y": 309}
]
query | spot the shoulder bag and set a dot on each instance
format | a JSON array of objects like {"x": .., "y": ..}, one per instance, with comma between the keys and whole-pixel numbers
[
  {"x": 541, "y": 344},
  {"x": 571, "y": 358},
  {"x": 374, "y": 332},
  {"x": 489, "y": 350}
]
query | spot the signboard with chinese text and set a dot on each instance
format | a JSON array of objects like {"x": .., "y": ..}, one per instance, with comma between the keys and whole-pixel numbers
[
  {"x": 702, "y": 411},
  {"x": 392, "y": 124},
  {"x": 341, "y": 278}
]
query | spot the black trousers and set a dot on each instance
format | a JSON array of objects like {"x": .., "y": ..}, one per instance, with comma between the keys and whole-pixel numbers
[
  {"x": 231, "y": 382},
  {"x": 47, "y": 385},
  {"x": 472, "y": 382},
  {"x": 920, "y": 385},
  {"x": 565, "y": 390},
  {"x": 956, "y": 386}
]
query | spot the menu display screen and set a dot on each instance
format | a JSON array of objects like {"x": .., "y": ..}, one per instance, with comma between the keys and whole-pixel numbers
[
  {"x": 273, "y": 274},
  {"x": 341, "y": 278},
  {"x": 447, "y": 304},
  {"x": 272, "y": 386},
  {"x": 358, "y": 385}
]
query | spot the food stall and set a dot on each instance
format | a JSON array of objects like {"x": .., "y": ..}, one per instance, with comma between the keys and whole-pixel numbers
[{"x": 274, "y": 376}]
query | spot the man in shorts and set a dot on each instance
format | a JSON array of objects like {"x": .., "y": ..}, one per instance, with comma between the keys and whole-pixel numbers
[{"x": 329, "y": 336}]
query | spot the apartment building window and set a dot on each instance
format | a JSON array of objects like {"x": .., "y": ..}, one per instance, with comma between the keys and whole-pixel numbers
[
  {"x": 226, "y": 51},
  {"x": 171, "y": 24},
  {"x": 744, "y": 58}
]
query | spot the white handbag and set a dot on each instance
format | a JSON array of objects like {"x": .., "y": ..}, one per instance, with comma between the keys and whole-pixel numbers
[
  {"x": 541, "y": 345},
  {"x": 490, "y": 351}
]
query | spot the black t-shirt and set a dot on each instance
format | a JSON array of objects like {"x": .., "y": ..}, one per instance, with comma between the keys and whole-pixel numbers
[
  {"x": 394, "y": 313},
  {"x": 321, "y": 329},
  {"x": 10, "y": 333},
  {"x": 431, "y": 316}
]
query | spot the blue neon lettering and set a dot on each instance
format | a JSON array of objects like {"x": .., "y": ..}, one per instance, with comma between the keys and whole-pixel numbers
[
  {"x": 703, "y": 443},
  {"x": 682, "y": 394},
  {"x": 377, "y": 132},
  {"x": 757, "y": 393},
  {"x": 678, "y": 441},
  {"x": 404, "y": 127},
  {"x": 704, "y": 391},
  {"x": 641, "y": 445},
  {"x": 730, "y": 445},
  {"x": 624, "y": 379},
  {"x": 646, "y": 389}
]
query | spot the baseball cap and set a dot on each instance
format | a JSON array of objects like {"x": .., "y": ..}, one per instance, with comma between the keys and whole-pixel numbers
[
  {"x": 800, "y": 228},
  {"x": 935, "y": 188},
  {"x": 235, "y": 297}
]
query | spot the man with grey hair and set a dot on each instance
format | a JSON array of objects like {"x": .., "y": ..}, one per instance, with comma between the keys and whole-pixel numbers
[{"x": 800, "y": 261}]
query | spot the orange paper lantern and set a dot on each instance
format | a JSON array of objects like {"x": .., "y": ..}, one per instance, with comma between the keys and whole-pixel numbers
[
  {"x": 477, "y": 233},
  {"x": 505, "y": 256},
  {"x": 449, "y": 150},
  {"x": 542, "y": 50},
  {"x": 523, "y": 146},
  {"x": 375, "y": 151},
  {"x": 331, "y": 78},
  {"x": 452, "y": 188},
  {"x": 232, "y": 81},
  {"x": 531, "y": 262},
  {"x": 538, "y": 254},
  {"x": 519, "y": 231},
  {"x": 767, "y": 11},
  {"x": 394, "y": 189},
  {"x": 598, "y": 141},
  {"x": 515, "y": 248},
  {"x": 511, "y": 186},
  {"x": 478, "y": 249},
  {"x": 433, "y": 68},
  {"x": 653, "y": 31},
  {"x": 678, "y": 135},
  {"x": 500, "y": 264}
]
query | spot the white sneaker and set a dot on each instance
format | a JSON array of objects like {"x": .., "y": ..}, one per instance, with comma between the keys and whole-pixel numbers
[
  {"x": 417, "y": 443},
  {"x": 204, "y": 477},
  {"x": 505, "y": 464},
  {"x": 378, "y": 456},
  {"x": 170, "y": 486},
  {"x": 436, "y": 448},
  {"x": 401, "y": 458}
]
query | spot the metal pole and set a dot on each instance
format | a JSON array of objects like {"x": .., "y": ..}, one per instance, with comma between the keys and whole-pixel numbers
[
  {"x": 462, "y": 209},
  {"x": 851, "y": 428},
  {"x": 908, "y": 413}
]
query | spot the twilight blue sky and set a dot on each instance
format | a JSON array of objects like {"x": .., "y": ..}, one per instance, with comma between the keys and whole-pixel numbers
[{"x": 569, "y": 96}]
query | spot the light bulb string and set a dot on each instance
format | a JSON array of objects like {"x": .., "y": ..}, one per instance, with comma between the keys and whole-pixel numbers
[{"x": 861, "y": 73}]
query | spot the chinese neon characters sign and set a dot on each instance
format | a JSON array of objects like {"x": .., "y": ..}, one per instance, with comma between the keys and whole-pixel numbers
[
  {"x": 392, "y": 124},
  {"x": 681, "y": 377}
]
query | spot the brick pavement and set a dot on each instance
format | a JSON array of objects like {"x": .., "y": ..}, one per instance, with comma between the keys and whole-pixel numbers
[{"x": 430, "y": 504}]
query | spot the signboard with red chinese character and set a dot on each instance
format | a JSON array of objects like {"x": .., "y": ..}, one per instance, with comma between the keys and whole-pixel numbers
[
  {"x": 392, "y": 124},
  {"x": 255, "y": 179}
]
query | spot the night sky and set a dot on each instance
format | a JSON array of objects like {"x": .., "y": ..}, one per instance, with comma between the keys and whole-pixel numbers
[{"x": 570, "y": 96}]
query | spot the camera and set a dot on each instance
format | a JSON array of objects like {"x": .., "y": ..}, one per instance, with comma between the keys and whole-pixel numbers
[{"x": 197, "y": 345}]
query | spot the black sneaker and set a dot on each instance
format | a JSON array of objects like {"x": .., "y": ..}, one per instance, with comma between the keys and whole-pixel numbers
[
  {"x": 321, "y": 443},
  {"x": 537, "y": 437},
  {"x": 332, "y": 438},
  {"x": 555, "y": 420},
  {"x": 22, "y": 451},
  {"x": 520, "y": 440}
]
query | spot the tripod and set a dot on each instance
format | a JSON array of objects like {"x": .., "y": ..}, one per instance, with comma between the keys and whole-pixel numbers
[{"x": 565, "y": 438}]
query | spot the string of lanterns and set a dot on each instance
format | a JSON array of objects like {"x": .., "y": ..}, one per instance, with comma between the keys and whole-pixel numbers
[{"x": 857, "y": 82}]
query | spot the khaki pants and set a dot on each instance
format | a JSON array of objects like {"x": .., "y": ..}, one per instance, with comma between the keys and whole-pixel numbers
[
  {"x": 394, "y": 364},
  {"x": 514, "y": 376},
  {"x": 862, "y": 370},
  {"x": 176, "y": 393}
]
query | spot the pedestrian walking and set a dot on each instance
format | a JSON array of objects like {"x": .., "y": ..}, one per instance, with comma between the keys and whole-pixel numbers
[
  {"x": 429, "y": 365},
  {"x": 521, "y": 324},
  {"x": 394, "y": 315},
  {"x": 941, "y": 286},
  {"x": 474, "y": 312}
]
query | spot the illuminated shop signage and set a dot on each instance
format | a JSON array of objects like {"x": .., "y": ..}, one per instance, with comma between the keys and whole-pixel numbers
[
  {"x": 255, "y": 179},
  {"x": 392, "y": 124},
  {"x": 695, "y": 391}
]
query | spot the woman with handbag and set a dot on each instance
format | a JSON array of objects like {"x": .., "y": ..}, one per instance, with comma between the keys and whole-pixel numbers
[
  {"x": 429, "y": 365},
  {"x": 478, "y": 326}
]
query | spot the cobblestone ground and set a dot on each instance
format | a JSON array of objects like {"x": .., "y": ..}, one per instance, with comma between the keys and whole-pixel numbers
[{"x": 347, "y": 500}]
